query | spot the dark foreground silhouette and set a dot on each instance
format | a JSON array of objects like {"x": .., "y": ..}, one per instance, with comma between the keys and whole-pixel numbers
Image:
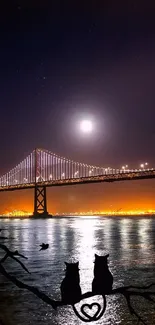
[
  {"x": 44, "y": 246},
  {"x": 72, "y": 297},
  {"x": 70, "y": 286},
  {"x": 103, "y": 279}
]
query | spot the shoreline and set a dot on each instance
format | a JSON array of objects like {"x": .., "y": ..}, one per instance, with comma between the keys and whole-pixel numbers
[{"x": 79, "y": 216}]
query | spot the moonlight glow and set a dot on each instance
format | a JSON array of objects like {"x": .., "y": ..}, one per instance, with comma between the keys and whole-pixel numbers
[{"x": 86, "y": 126}]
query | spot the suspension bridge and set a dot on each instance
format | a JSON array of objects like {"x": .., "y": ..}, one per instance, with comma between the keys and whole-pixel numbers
[{"x": 43, "y": 168}]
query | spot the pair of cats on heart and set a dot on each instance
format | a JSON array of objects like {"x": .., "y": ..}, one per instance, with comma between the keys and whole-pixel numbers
[{"x": 101, "y": 284}]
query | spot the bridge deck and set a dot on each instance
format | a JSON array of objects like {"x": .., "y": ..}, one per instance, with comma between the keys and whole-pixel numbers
[{"x": 134, "y": 175}]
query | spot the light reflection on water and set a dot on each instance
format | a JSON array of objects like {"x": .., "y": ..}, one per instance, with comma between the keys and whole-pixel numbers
[{"x": 129, "y": 241}]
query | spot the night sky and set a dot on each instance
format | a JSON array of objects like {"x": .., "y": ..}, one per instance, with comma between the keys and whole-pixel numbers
[{"x": 62, "y": 61}]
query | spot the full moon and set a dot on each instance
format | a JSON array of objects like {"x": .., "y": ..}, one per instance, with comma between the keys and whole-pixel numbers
[{"x": 86, "y": 126}]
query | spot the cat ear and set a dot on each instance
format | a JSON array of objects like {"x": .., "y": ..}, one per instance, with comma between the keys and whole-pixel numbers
[
  {"x": 96, "y": 256},
  {"x": 77, "y": 263},
  {"x": 66, "y": 263},
  {"x": 107, "y": 256}
]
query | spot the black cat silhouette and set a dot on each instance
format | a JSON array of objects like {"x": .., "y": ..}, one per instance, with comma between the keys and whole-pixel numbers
[
  {"x": 103, "y": 279},
  {"x": 70, "y": 286}
]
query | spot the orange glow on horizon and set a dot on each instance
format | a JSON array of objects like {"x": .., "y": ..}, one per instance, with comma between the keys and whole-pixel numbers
[
  {"x": 137, "y": 197},
  {"x": 21, "y": 213}
]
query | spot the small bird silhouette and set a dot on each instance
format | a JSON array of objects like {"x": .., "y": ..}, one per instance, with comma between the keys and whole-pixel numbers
[{"x": 44, "y": 246}]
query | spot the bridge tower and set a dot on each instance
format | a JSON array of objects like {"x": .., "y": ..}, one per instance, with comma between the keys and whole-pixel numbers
[{"x": 40, "y": 201}]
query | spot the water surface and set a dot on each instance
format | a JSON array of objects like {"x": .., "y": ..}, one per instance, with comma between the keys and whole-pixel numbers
[{"x": 129, "y": 241}]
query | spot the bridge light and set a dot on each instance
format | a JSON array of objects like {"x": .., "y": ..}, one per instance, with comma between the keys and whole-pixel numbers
[
  {"x": 142, "y": 165},
  {"x": 50, "y": 176}
]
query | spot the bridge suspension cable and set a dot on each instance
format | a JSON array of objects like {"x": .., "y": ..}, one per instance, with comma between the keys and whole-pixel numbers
[{"x": 43, "y": 166}]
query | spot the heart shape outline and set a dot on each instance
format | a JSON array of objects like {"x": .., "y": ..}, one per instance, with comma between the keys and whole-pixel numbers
[
  {"x": 90, "y": 306},
  {"x": 94, "y": 318}
]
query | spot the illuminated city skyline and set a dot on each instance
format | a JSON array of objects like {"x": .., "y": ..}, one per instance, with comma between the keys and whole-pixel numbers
[{"x": 120, "y": 212}]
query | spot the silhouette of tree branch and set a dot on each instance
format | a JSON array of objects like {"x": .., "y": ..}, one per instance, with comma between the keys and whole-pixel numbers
[
  {"x": 19, "y": 283},
  {"x": 32, "y": 289},
  {"x": 126, "y": 291},
  {"x": 12, "y": 255}
]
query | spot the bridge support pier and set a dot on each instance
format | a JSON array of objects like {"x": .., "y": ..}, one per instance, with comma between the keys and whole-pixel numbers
[{"x": 40, "y": 202}]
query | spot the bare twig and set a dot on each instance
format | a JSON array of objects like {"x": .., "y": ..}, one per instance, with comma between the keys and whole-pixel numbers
[
  {"x": 12, "y": 255},
  {"x": 2, "y": 246}
]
